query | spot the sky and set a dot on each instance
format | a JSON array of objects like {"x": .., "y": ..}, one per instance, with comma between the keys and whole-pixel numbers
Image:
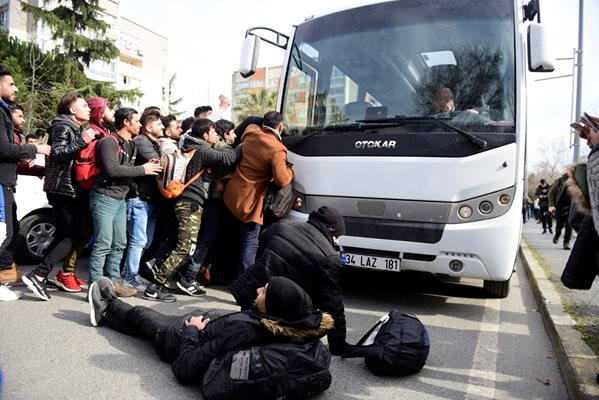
[{"x": 205, "y": 41}]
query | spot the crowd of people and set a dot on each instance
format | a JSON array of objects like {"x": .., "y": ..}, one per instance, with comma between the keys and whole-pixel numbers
[
  {"x": 551, "y": 202},
  {"x": 144, "y": 242},
  {"x": 101, "y": 176}
]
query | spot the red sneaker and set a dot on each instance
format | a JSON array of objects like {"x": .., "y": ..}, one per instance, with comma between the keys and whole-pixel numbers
[
  {"x": 82, "y": 284},
  {"x": 67, "y": 282}
]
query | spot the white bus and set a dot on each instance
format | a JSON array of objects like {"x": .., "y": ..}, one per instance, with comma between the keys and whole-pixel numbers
[{"x": 409, "y": 117}]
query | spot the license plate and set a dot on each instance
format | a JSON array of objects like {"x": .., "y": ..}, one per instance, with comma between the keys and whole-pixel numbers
[{"x": 372, "y": 262}]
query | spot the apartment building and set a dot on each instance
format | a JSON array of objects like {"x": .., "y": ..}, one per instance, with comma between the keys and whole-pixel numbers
[
  {"x": 143, "y": 58},
  {"x": 264, "y": 78}
]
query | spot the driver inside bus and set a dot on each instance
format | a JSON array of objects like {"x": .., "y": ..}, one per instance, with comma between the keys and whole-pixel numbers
[{"x": 443, "y": 101}]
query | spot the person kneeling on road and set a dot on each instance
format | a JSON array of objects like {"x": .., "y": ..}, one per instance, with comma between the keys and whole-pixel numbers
[
  {"x": 304, "y": 253},
  {"x": 282, "y": 311}
]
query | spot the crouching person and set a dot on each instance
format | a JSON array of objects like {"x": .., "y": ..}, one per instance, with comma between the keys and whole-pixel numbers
[
  {"x": 282, "y": 311},
  {"x": 303, "y": 252}
]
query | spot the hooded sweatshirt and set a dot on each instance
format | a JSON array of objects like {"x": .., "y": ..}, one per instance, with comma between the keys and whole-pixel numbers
[{"x": 97, "y": 107}]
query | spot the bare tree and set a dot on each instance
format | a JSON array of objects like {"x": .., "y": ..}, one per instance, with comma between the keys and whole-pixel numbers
[{"x": 555, "y": 155}]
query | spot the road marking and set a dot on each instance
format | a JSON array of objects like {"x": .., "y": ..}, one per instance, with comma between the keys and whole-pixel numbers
[{"x": 483, "y": 374}]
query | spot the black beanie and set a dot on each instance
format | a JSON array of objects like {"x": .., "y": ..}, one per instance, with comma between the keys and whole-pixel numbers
[
  {"x": 331, "y": 218},
  {"x": 286, "y": 300}
]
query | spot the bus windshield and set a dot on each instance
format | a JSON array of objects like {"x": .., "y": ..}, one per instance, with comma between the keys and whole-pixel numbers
[{"x": 389, "y": 62}]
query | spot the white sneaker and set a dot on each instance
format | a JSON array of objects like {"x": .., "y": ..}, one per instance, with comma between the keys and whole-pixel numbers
[
  {"x": 136, "y": 283},
  {"x": 9, "y": 295}
]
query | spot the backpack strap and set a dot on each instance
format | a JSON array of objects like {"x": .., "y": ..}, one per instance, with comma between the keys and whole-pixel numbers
[
  {"x": 363, "y": 350},
  {"x": 196, "y": 176}
]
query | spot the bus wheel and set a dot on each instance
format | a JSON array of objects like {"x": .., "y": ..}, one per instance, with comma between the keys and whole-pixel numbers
[{"x": 498, "y": 289}]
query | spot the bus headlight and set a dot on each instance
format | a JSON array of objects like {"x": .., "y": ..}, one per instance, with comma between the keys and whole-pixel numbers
[
  {"x": 465, "y": 212},
  {"x": 490, "y": 205},
  {"x": 485, "y": 207}
]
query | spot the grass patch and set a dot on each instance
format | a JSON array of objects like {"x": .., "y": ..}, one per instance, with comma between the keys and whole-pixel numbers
[
  {"x": 540, "y": 261},
  {"x": 588, "y": 338}
]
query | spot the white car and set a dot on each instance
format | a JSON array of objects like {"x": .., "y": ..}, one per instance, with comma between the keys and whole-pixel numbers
[{"x": 37, "y": 227}]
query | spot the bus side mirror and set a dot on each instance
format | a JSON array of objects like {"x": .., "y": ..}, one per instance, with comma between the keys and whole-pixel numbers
[
  {"x": 540, "y": 57},
  {"x": 250, "y": 49}
]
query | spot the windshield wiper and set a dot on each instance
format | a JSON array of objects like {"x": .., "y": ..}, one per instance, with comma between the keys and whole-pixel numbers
[
  {"x": 399, "y": 119},
  {"x": 293, "y": 141}
]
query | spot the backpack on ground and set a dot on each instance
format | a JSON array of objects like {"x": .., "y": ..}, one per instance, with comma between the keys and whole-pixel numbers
[
  {"x": 86, "y": 170},
  {"x": 398, "y": 344},
  {"x": 171, "y": 181}
]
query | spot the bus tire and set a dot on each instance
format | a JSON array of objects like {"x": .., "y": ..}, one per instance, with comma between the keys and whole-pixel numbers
[{"x": 498, "y": 289}]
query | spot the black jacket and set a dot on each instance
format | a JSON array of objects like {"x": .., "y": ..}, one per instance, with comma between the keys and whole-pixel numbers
[
  {"x": 145, "y": 187},
  {"x": 65, "y": 138},
  {"x": 10, "y": 152},
  {"x": 191, "y": 351},
  {"x": 304, "y": 253},
  {"x": 205, "y": 157}
]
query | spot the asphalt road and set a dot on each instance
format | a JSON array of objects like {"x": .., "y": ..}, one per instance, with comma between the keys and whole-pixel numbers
[{"x": 480, "y": 348}]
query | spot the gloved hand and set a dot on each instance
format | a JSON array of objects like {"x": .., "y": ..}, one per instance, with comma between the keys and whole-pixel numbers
[{"x": 337, "y": 349}]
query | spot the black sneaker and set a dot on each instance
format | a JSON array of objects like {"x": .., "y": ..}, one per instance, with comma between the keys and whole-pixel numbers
[
  {"x": 37, "y": 287},
  {"x": 158, "y": 293},
  {"x": 192, "y": 288},
  {"x": 97, "y": 304},
  {"x": 106, "y": 287},
  {"x": 555, "y": 239},
  {"x": 566, "y": 246}
]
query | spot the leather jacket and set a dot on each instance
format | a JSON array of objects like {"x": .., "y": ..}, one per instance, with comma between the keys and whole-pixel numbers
[{"x": 65, "y": 138}]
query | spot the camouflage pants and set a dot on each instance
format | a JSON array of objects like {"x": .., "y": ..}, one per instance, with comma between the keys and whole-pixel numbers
[{"x": 189, "y": 215}]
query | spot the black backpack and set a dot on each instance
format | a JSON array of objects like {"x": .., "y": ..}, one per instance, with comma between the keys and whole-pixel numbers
[
  {"x": 279, "y": 201},
  {"x": 269, "y": 371},
  {"x": 398, "y": 344}
]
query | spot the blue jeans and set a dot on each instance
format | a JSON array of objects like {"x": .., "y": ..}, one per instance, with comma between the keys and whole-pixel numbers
[
  {"x": 250, "y": 232},
  {"x": 110, "y": 230},
  {"x": 141, "y": 220}
]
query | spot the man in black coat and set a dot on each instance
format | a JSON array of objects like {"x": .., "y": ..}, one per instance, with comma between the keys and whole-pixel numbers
[
  {"x": 304, "y": 253},
  {"x": 282, "y": 311},
  {"x": 10, "y": 154}
]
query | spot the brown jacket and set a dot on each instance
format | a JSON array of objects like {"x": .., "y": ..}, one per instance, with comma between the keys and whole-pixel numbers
[{"x": 264, "y": 160}]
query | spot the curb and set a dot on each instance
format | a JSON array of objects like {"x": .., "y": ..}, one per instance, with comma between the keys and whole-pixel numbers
[{"x": 578, "y": 363}]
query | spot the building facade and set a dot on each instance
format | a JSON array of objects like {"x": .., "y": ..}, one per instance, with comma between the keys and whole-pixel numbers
[
  {"x": 264, "y": 78},
  {"x": 143, "y": 58}
]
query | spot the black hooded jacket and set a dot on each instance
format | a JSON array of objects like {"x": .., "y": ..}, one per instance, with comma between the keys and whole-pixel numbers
[
  {"x": 304, "y": 253},
  {"x": 191, "y": 351},
  {"x": 65, "y": 138}
]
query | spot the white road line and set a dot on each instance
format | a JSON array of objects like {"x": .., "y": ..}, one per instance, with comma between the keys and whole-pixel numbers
[{"x": 483, "y": 374}]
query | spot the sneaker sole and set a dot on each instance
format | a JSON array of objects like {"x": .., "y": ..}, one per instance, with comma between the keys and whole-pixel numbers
[
  {"x": 159, "y": 300},
  {"x": 31, "y": 286},
  {"x": 183, "y": 289},
  {"x": 60, "y": 285},
  {"x": 92, "y": 311}
]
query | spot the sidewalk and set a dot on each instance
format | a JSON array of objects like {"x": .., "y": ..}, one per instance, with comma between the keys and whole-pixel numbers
[{"x": 544, "y": 262}]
